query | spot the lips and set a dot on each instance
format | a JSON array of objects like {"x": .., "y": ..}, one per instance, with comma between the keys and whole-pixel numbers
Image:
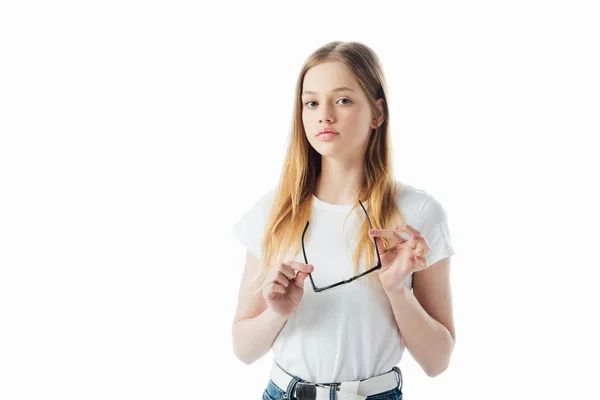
[{"x": 326, "y": 131}]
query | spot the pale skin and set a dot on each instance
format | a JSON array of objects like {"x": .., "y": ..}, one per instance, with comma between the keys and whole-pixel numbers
[
  {"x": 283, "y": 287},
  {"x": 345, "y": 111},
  {"x": 424, "y": 316}
]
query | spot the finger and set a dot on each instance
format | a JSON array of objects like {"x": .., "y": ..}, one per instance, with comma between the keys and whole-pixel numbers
[
  {"x": 419, "y": 241},
  {"x": 421, "y": 263},
  {"x": 420, "y": 251},
  {"x": 298, "y": 266},
  {"x": 380, "y": 246},
  {"x": 414, "y": 237},
  {"x": 281, "y": 279},
  {"x": 299, "y": 280},
  {"x": 287, "y": 271},
  {"x": 388, "y": 233},
  {"x": 409, "y": 230},
  {"x": 392, "y": 234},
  {"x": 274, "y": 288},
  {"x": 275, "y": 275},
  {"x": 424, "y": 245},
  {"x": 296, "y": 290}
]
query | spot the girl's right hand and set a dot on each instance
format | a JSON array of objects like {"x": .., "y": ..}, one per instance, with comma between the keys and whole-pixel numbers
[{"x": 283, "y": 287}]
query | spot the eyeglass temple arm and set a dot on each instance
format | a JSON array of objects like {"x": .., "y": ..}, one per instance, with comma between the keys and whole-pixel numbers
[
  {"x": 354, "y": 277},
  {"x": 315, "y": 288},
  {"x": 374, "y": 241},
  {"x": 306, "y": 260}
]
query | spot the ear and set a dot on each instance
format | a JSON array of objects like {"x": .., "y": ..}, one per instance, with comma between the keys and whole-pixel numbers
[{"x": 378, "y": 119}]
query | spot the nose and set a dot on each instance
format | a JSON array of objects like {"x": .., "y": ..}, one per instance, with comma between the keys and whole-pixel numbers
[
  {"x": 326, "y": 114},
  {"x": 328, "y": 119}
]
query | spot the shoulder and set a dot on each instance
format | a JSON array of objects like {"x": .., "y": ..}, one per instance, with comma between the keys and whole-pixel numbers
[
  {"x": 420, "y": 207},
  {"x": 259, "y": 208},
  {"x": 269, "y": 196},
  {"x": 265, "y": 200},
  {"x": 412, "y": 199}
]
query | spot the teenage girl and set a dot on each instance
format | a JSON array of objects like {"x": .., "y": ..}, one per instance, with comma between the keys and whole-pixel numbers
[{"x": 346, "y": 266}]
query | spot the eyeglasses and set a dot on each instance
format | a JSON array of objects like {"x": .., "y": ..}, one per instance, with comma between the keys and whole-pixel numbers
[{"x": 318, "y": 289}]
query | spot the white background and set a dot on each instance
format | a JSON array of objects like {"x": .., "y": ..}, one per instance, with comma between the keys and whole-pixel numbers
[{"x": 134, "y": 135}]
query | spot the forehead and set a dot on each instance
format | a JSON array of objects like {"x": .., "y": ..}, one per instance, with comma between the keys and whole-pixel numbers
[{"x": 325, "y": 77}]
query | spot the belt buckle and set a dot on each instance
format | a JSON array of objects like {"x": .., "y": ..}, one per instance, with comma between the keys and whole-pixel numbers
[{"x": 307, "y": 391}]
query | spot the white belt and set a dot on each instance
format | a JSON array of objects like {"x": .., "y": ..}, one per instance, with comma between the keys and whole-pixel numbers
[{"x": 354, "y": 390}]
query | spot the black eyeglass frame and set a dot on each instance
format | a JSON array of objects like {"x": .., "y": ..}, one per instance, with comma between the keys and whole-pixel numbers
[{"x": 318, "y": 289}]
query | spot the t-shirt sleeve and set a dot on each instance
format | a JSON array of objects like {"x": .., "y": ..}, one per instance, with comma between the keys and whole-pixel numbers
[
  {"x": 249, "y": 230},
  {"x": 434, "y": 228}
]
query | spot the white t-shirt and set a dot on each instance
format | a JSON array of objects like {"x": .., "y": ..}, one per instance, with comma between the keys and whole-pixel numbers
[{"x": 349, "y": 332}]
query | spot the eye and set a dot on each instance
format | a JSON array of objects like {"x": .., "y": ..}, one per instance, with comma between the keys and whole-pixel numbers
[{"x": 343, "y": 98}]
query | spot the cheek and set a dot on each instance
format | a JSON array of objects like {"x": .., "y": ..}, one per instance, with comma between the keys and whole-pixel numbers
[
  {"x": 307, "y": 118},
  {"x": 358, "y": 114},
  {"x": 352, "y": 116},
  {"x": 358, "y": 121}
]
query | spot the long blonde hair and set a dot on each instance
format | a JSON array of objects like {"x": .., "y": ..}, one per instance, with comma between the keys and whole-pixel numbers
[{"x": 292, "y": 203}]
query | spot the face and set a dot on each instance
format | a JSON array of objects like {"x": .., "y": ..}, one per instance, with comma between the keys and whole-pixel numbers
[{"x": 344, "y": 111}]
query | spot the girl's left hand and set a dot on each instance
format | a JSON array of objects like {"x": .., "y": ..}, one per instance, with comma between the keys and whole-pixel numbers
[{"x": 404, "y": 257}]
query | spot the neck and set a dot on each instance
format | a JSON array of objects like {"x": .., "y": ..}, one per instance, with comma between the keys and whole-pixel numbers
[{"x": 338, "y": 181}]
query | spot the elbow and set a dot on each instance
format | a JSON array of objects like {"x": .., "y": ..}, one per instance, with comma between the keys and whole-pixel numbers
[
  {"x": 243, "y": 357},
  {"x": 432, "y": 373},
  {"x": 443, "y": 362},
  {"x": 239, "y": 352},
  {"x": 439, "y": 367}
]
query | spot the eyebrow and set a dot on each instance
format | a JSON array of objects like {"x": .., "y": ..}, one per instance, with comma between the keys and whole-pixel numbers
[{"x": 340, "y": 89}]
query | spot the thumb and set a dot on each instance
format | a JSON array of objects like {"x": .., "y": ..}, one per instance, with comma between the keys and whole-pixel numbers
[{"x": 299, "y": 279}]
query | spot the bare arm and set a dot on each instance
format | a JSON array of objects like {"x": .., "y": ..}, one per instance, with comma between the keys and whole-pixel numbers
[
  {"x": 253, "y": 337},
  {"x": 255, "y": 326},
  {"x": 263, "y": 312},
  {"x": 425, "y": 319}
]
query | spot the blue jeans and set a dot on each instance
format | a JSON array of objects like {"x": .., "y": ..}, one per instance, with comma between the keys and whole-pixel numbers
[{"x": 273, "y": 392}]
